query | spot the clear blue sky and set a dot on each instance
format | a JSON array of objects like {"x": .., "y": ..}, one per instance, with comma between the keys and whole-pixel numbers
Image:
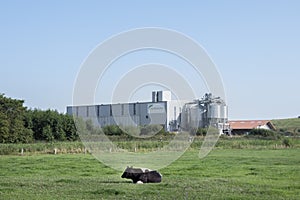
[{"x": 255, "y": 45}]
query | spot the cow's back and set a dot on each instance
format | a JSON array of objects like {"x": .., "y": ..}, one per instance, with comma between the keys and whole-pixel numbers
[{"x": 151, "y": 177}]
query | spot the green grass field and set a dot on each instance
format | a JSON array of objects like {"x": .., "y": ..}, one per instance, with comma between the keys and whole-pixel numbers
[
  {"x": 223, "y": 174},
  {"x": 291, "y": 125}
]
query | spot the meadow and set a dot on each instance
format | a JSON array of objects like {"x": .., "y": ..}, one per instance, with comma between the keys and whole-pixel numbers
[
  {"x": 235, "y": 169},
  {"x": 290, "y": 126}
]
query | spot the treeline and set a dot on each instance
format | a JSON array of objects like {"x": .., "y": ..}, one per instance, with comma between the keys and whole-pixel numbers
[{"x": 21, "y": 125}]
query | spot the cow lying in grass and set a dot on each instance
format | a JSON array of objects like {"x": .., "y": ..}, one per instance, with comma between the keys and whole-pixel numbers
[{"x": 142, "y": 175}]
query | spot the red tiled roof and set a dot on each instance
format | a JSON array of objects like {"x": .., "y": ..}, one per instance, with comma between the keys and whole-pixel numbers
[{"x": 249, "y": 124}]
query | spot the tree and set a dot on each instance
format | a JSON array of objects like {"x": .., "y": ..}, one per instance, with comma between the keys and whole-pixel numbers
[
  {"x": 20, "y": 125},
  {"x": 62, "y": 126},
  {"x": 12, "y": 114},
  {"x": 47, "y": 133},
  {"x": 69, "y": 128},
  {"x": 4, "y": 128}
]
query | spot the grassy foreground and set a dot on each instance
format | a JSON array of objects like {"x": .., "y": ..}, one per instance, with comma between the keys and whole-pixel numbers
[{"x": 223, "y": 174}]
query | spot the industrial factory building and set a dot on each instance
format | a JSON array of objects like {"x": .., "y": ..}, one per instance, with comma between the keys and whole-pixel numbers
[{"x": 173, "y": 115}]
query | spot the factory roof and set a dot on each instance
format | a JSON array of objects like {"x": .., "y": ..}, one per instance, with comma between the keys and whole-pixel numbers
[{"x": 250, "y": 124}]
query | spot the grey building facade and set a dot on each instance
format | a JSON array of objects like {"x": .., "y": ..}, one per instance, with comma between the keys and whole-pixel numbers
[
  {"x": 171, "y": 114},
  {"x": 161, "y": 110}
]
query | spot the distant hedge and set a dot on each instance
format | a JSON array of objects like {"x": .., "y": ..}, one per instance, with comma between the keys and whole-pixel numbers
[{"x": 264, "y": 134}]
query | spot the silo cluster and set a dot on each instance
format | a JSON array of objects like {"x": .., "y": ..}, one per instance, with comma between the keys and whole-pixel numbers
[{"x": 205, "y": 112}]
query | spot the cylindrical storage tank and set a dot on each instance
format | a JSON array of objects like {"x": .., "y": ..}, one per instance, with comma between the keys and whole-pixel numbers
[
  {"x": 214, "y": 111},
  {"x": 195, "y": 116},
  {"x": 183, "y": 117},
  {"x": 224, "y": 112},
  {"x": 190, "y": 116}
]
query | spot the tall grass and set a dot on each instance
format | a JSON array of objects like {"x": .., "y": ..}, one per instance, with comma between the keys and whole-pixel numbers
[
  {"x": 146, "y": 145},
  {"x": 41, "y": 147}
]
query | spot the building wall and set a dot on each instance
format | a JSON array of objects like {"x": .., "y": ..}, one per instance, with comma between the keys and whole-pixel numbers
[
  {"x": 166, "y": 113},
  {"x": 161, "y": 110},
  {"x": 265, "y": 126},
  {"x": 128, "y": 114}
]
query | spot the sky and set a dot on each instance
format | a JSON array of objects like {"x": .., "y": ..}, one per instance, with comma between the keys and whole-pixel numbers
[{"x": 254, "y": 44}]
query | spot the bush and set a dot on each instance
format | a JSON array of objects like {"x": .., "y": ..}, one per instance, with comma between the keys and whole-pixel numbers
[
  {"x": 156, "y": 132},
  {"x": 150, "y": 130},
  {"x": 286, "y": 142},
  {"x": 282, "y": 130},
  {"x": 201, "y": 132},
  {"x": 264, "y": 133},
  {"x": 131, "y": 130},
  {"x": 112, "y": 130}
]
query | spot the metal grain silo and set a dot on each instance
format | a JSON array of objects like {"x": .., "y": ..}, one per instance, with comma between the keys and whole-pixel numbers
[{"x": 188, "y": 116}]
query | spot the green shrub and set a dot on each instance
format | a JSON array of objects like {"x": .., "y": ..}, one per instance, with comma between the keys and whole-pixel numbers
[
  {"x": 264, "y": 133},
  {"x": 152, "y": 129},
  {"x": 131, "y": 130},
  {"x": 286, "y": 142},
  {"x": 201, "y": 132},
  {"x": 112, "y": 130}
]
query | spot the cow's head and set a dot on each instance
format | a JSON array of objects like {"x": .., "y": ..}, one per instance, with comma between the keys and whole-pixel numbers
[{"x": 131, "y": 172}]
